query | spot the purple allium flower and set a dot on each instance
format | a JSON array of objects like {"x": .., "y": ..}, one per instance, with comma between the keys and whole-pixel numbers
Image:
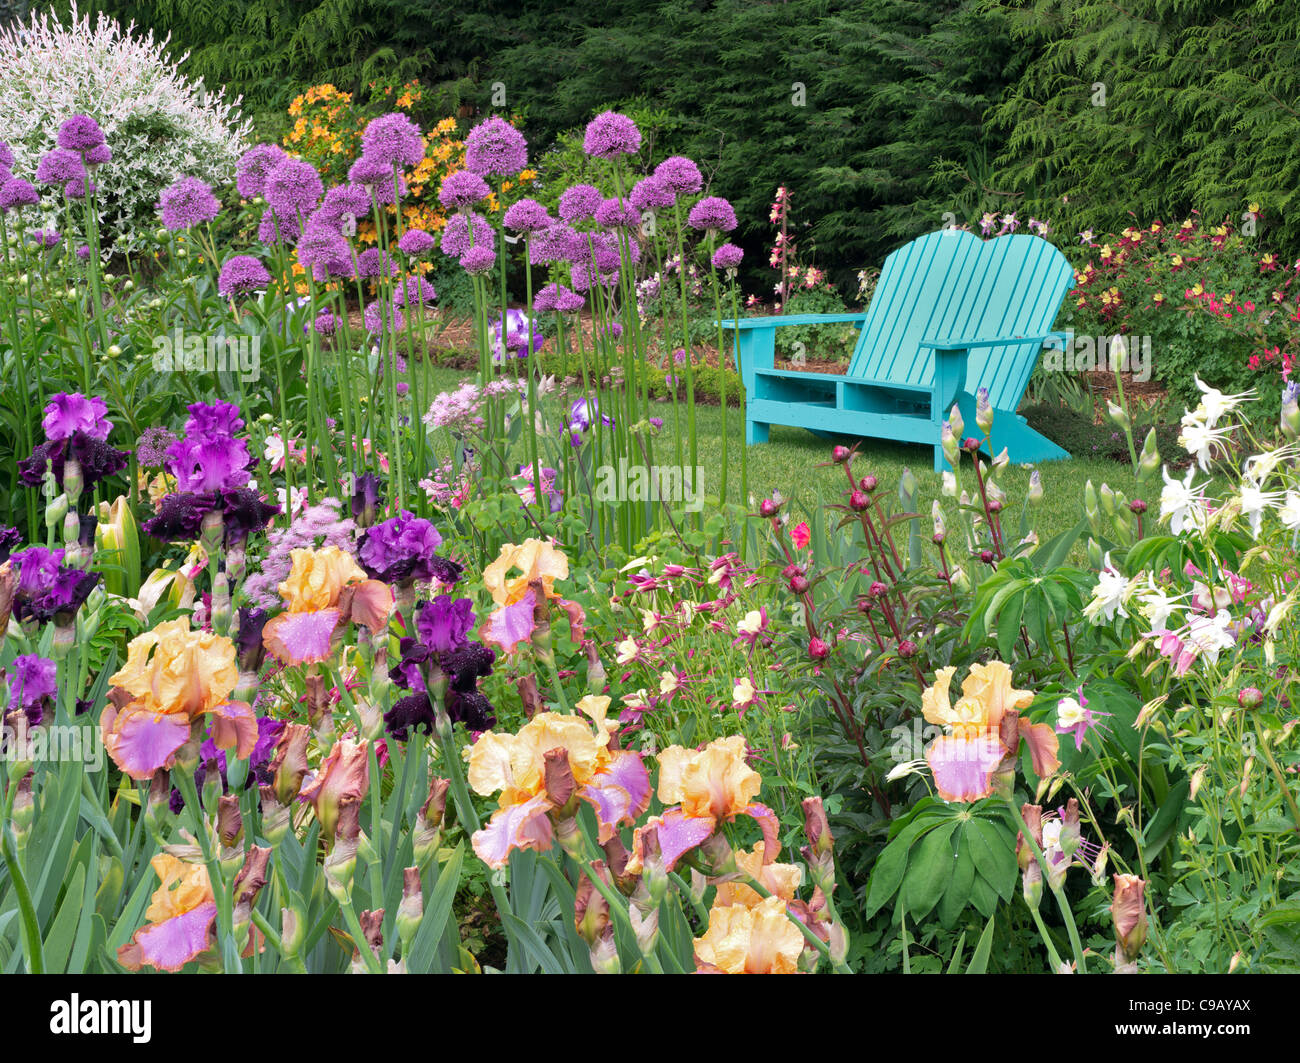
[
  {"x": 242, "y": 274},
  {"x": 151, "y": 447},
  {"x": 365, "y": 498},
  {"x": 585, "y": 277},
  {"x": 69, "y": 412},
  {"x": 16, "y": 193},
  {"x": 527, "y": 216},
  {"x": 456, "y": 237},
  {"x": 443, "y": 624},
  {"x": 415, "y": 242},
  {"x": 326, "y": 323},
  {"x": 394, "y": 139},
  {"x": 83, "y": 252},
  {"x": 651, "y": 193},
  {"x": 46, "y": 238},
  {"x": 462, "y": 189},
  {"x": 400, "y": 548},
  {"x": 98, "y": 155},
  {"x": 680, "y": 175},
  {"x": 274, "y": 229},
  {"x": 412, "y": 291},
  {"x": 324, "y": 250},
  {"x": 186, "y": 203},
  {"x": 76, "y": 188},
  {"x": 478, "y": 260},
  {"x": 617, "y": 213},
  {"x": 712, "y": 212},
  {"x": 579, "y": 203},
  {"x": 340, "y": 203},
  {"x": 293, "y": 189},
  {"x": 80, "y": 133},
  {"x": 32, "y": 686},
  {"x": 611, "y": 134},
  {"x": 517, "y": 328},
  {"x": 376, "y": 262},
  {"x": 495, "y": 147},
  {"x": 374, "y": 319},
  {"x": 376, "y": 176},
  {"x": 551, "y": 244},
  {"x": 727, "y": 256},
  {"x": 59, "y": 167},
  {"x": 253, "y": 167},
  {"x": 556, "y": 297}
]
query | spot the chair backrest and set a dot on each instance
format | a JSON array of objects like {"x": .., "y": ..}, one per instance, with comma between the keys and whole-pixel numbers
[{"x": 953, "y": 284}]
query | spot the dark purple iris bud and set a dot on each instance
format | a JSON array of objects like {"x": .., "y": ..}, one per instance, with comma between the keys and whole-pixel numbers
[
  {"x": 467, "y": 664},
  {"x": 87, "y": 522},
  {"x": 176, "y": 801},
  {"x": 365, "y": 499},
  {"x": 444, "y": 623},
  {"x": 411, "y": 713},
  {"x": 244, "y": 512},
  {"x": 84, "y": 705},
  {"x": 10, "y": 538},
  {"x": 249, "y": 650},
  {"x": 180, "y": 517}
]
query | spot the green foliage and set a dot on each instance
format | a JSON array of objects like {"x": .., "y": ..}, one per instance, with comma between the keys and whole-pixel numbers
[{"x": 1084, "y": 439}]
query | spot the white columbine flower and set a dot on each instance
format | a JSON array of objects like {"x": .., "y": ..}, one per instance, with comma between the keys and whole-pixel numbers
[
  {"x": 1109, "y": 596},
  {"x": 1253, "y": 502},
  {"x": 1200, "y": 439},
  {"x": 1214, "y": 403},
  {"x": 1157, "y": 605},
  {"x": 1180, "y": 503},
  {"x": 1290, "y": 511},
  {"x": 1210, "y": 635}
]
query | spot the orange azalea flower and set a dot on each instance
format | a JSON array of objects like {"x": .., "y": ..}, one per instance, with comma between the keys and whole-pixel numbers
[
  {"x": 984, "y": 729},
  {"x": 171, "y": 679},
  {"x": 750, "y": 940},
  {"x": 614, "y": 782}
]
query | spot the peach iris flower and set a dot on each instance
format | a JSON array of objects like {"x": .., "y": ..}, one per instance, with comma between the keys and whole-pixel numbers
[
  {"x": 614, "y": 782},
  {"x": 750, "y": 940},
  {"x": 537, "y": 562},
  {"x": 984, "y": 728},
  {"x": 180, "y": 917},
  {"x": 171, "y": 679},
  {"x": 325, "y": 588},
  {"x": 707, "y": 787}
]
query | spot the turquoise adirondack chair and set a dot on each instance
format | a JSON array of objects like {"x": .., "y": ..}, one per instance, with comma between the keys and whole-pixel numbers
[{"x": 952, "y": 313}]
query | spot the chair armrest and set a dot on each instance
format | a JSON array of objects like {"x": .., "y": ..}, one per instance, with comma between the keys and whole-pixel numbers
[
  {"x": 777, "y": 320},
  {"x": 967, "y": 344}
]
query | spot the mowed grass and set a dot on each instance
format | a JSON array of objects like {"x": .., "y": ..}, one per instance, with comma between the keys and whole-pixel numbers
[{"x": 789, "y": 463}]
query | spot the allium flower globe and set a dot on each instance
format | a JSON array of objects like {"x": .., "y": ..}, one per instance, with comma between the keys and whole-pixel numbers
[
  {"x": 611, "y": 134},
  {"x": 186, "y": 203},
  {"x": 394, "y": 139},
  {"x": 495, "y": 147}
]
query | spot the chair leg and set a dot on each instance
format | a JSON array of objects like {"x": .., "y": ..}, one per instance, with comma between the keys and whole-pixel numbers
[
  {"x": 756, "y": 432},
  {"x": 940, "y": 462}
]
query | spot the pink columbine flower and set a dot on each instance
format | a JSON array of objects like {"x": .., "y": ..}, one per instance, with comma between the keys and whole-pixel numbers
[{"x": 1074, "y": 717}]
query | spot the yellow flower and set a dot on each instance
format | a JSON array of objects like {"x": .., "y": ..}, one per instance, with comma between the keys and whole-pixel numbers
[
  {"x": 536, "y": 559},
  {"x": 515, "y": 764},
  {"x": 712, "y": 782},
  {"x": 317, "y": 578},
  {"x": 182, "y": 888},
  {"x": 757, "y": 940},
  {"x": 172, "y": 669},
  {"x": 780, "y": 880}
]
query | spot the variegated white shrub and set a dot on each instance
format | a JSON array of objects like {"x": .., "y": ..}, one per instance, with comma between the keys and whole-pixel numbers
[{"x": 159, "y": 124}]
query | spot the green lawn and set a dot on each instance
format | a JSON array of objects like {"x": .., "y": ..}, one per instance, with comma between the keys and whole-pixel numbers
[{"x": 788, "y": 464}]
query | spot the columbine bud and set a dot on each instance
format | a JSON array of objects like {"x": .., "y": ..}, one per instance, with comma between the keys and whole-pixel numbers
[
  {"x": 1128, "y": 910},
  {"x": 983, "y": 411},
  {"x": 1250, "y": 697}
]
